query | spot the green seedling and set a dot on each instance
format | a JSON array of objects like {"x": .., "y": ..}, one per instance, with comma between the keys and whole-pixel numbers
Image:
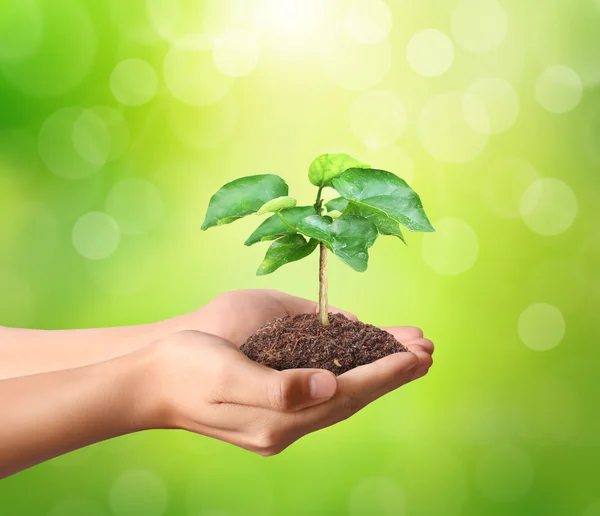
[{"x": 370, "y": 203}]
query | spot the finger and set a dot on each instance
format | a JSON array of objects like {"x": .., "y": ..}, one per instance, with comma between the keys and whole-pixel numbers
[
  {"x": 245, "y": 382},
  {"x": 298, "y": 305},
  {"x": 425, "y": 344},
  {"x": 403, "y": 333},
  {"x": 425, "y": 361}
]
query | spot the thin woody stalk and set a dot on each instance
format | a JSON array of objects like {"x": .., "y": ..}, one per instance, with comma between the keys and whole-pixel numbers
[{"x": 323, "y": 303}]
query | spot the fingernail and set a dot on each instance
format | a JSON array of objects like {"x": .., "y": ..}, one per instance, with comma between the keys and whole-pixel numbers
[{"x": 322, "y": 385}]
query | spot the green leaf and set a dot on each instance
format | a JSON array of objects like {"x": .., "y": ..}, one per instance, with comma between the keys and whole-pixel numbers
[
  {"x": 384, "y": 224},
  {"x": 288, "y": 249},
  {"x": 385, "y": 193},
  {"x": 274, "y": 227},
  {"x": 327, "y": 166},
  {"x": 243, "y": 197},
  {"x": 277, "y": 204},
  {"x": 349, "y": 237}
]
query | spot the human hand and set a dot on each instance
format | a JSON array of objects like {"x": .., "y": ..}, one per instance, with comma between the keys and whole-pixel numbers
[{"x": 202, "y": 383}]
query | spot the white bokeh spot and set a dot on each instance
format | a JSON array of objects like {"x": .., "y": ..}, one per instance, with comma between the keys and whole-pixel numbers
[
  {"x": 453, "y": 249},
  {"x": 559, "y": 89},
  {"x": 541, "y": 327},
  {"x": 134, "y": 82},
  {"x": 236, "y": 53},
  {"x": 138, "y": 492},
  {"x": 368, "y": 21},
  {"x": 430, "y": 53},
  {"x": 91, "y": 138},
  {"x": 501, "y": 102},
  {"x": 479, "y": 26},
  {"x": 96, "y": 236},
  {"x": 378, "y": 118},
  {"x": 445, "y": 132},
  {"x": 549, "y": 207}
]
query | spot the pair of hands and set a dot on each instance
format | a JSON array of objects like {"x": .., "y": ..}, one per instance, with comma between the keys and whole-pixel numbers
[{"x": 204, "y": 384}]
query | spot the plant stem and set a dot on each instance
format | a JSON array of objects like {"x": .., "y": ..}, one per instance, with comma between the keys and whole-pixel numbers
[{"x": 323, "y": 304}]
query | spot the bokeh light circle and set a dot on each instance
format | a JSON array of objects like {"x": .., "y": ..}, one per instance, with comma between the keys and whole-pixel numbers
[
  {"x": 96, "y": 236},
  {"x": 352, "y": 65},
  {"x": 77, "y": 507},
  {"x": 64, "y": 56},
  {"x": 74, "y": 143},
  {"x": 479, "y": 26},
  {"x": 504, "y": 473},
  {"x": 445, "y": 132},
  {"x": 378, "y": 118},
  {"x": 503, "y": 184},
  {"x": 501, "y": 102},
  {"x": 377, "y": 496},
  {"x": 191, "y": 75},
  {"x": 21, "y": 28},
  {"x": 236, "y": 53},
  {"x": 204, "y": 127},
  {"x": 138, "y": 492},
  {"x": 549, "y": 206},
  {"x": 134, "y": 82},
  {"x": 393, "y": 158},
  {"x": 430, "y": 53},
  {"x": 368, "y": 21},
  {"x": 559, "y": 89},
  {"x": 118, "y": 129},
  {"x": 541, "y": 327},
  {"x": 453, "y": 249},
  {"x": 136, "y": 205}
]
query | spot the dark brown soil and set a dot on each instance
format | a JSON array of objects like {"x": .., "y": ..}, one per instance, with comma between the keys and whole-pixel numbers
[{"x": 300, "y": 341}]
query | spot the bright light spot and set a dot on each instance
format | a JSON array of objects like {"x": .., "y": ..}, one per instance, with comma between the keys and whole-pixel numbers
[
  {"x": 503, "y": 185},
  {"x": 73, "y": 143},
  {"x": 501, "y": 103},
  {"x": 136, "y": 205},
  {"x": 377, "y": 496},
  {"x": 138, "y": 492},
  {"x": 236, "y": 53},
  {"x": 559, "y": 89},
  {"x": 479, "y": 25},
  {"x": 541, "y": 327},
  {"x": 191, "y": 75},
  {"x": 549, "y": 207},
  {"x": 453, "y": 249},
  {"x": 115, "y": 123},
  {"x": 430, "y": 53},
  {"x": 504, "y": 473},
  {"x": 133, "y": 82},
  {"x": 289, "y": 15},
  {"x": 368, "y": 21},
  {"x": 68, "y": 32},
  {"x": 352, "y": 65},
  {"x": 96, "y": 236},
  {"x": 445, "y": 132},
  {"x": 21, "y": 28},
  {"x": 378, "y": 118}
]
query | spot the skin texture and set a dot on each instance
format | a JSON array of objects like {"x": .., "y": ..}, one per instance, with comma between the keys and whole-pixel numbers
[{"x": 183, "y": 373}]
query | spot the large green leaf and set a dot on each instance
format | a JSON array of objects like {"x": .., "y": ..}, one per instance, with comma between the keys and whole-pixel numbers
[
  {"x": 385, "y": 193},
  {"x": 277, "y": 204},
  {"x": 287, "y": 249},
  {"x": 349, "y": 237},
  {"x": 384, "y": 224},
  {"x": 243, "y": 197},
  {"x": 274, "y": 227},
  {"x": 327, "y": 166}
]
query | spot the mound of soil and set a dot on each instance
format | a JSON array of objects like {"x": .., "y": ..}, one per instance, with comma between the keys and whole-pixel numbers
[{"x": 301, "y": 341}]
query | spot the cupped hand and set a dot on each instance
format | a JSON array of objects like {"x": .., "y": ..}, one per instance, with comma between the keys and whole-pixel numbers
[{"x": 203, "y": 383}]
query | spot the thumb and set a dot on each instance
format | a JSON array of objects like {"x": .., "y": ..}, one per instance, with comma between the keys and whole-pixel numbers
[{"x": 285, "y": 391}]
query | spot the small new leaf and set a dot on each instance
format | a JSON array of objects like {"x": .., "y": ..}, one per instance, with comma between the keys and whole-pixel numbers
[
  {"x": 274, "y": 227},
  {"x": 349, "y": 237},
  {"x": 385, "y": 193},
  {"x": 328, "y": 166},
  {"x": 243, "y": 197},
  {"x": 277, "y": 204},
  {"x": 287, "y": 249}
]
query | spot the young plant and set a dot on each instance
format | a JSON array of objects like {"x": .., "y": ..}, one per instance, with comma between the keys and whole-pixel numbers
[{"x": 371, "y": 202}]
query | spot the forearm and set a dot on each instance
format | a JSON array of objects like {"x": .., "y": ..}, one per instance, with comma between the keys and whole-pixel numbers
[
  {"x": 28, "y": 352},
  {"x": 45, "y": 415}
]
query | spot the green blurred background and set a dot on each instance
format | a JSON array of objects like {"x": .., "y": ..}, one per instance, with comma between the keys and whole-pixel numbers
[{"x": 119, "y": 119}]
